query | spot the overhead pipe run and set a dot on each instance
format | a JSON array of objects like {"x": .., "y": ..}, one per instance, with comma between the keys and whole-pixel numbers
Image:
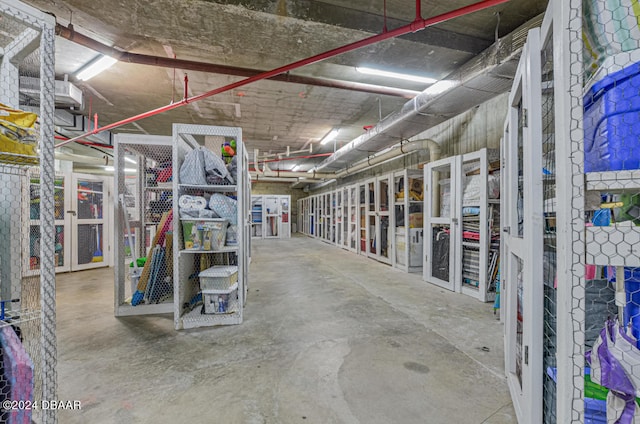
[
  {"x": 167, "y": 62},
  {"x": 415, "y": 26},
  {"x": 403, "y": 149}
]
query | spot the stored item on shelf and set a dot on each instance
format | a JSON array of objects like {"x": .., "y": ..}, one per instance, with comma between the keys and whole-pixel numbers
[
  {"x": 416, "y": 220},
  {"x": 192, "y": 202},
  {"x": 192, "y": 234},
  {"x": 204, "y": 235},
  {"x": 18, "y": 372},
  {"x": 158, "y": 240},
  {"x": 225, "y": 207},
  {"x": 215, "y": 168},
  {"x": 612, "y": 122},
  {"x": 218, "y": 277},
  {"x": 17, "y": 133},
  {"x": 215, "y": 303},
  {"x": 192, "y": 170},
  {"x": 232, "y": 235}
]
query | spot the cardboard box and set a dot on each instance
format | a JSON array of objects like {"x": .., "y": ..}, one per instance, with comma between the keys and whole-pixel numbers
[{"x": 416, "y": 220}]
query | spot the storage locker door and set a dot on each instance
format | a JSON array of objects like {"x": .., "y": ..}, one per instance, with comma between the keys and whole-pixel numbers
[
  {"x": 522, "y": 233},
  {"x": 441, "y": 223}
]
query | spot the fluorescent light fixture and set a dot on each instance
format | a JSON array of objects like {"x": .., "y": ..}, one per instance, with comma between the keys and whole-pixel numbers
[
  {"x": 311, "y": 171},
  {"x": 130, "y": 160},
  {"x": 94, "y": 67},
  {"x": 397, "y": 75},
  {"x": 440, "y": 87},
  {"x": 110, "y": 168},
  {"x": 329, "y": 137},
  {"x": 295, "y": 168}
]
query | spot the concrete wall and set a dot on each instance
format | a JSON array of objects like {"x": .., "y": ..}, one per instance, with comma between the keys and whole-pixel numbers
[{"x": 479, "y": 127}]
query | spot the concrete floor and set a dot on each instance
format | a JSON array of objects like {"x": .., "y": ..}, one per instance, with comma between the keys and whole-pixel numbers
[{"x": 328, "y": 337}]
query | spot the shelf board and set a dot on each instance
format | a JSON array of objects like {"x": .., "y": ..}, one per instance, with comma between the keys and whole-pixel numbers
[
  {"x": 222, "y": 188},
  {"x": 225, "y": 249},
  {"x": 613, "y": 180},
  {"x": 204, "y": 219},
  {"x": 195, "y": 319},
  {"x": 159, "y": 188}
]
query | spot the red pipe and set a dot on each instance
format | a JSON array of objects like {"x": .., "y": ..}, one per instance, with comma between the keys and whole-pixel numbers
[
  {"x": 190, "y": 65},
  {"x": 418, "y": 10},
  {"x": 86, "y": 143},
  {"x": 412, "y": 27}
]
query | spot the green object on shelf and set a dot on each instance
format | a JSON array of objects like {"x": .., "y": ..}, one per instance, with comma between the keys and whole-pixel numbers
[
  {"x": 140, "y": 262},
  {"x": 593, "y": 390}
]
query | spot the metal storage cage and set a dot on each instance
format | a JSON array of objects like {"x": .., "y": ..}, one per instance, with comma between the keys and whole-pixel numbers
[
  {"x": 408, "y": 219},
  {"x": 441, "y": 222},
  {"x": 195, "y": 306},
  {"x": 27, "y": 268},
  {"x": 479, "y": 219},
  {"x": 580, "y": 316},
  {"x": 143, "y": 203},
  {"x": 271, "y": 216}
]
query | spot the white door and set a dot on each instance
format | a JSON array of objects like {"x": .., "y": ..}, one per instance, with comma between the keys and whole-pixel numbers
[
  {"x": 257, "y": 216},
  {"x": 522, "y": 237},
  {"x": 285, "y": 216},
  {"x": 272, "y": 214},
  {"x": 441, "y": 223},
  {"x": 384, "y": 232},
  {"x": 62, "y": 258},
  {"x": 89, "y": 221}
]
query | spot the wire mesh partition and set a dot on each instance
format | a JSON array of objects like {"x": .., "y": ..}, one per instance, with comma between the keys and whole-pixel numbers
[
  {"x": 549, "y": 233},
  {"x": 220, "y": 199},
  {"x": 27, "y": 268},
  {"x": 598, "y": 209},
  {"x": 144, "y": 193}
]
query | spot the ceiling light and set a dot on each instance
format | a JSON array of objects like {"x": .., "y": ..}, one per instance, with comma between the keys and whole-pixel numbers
[
  {"x": 110, "y": 168},
  {"x": 327, "y": 138},
  {"x": 406, "y": 77},
  {"x": 94, "y": 67},
  {"x": 295, "y": 168},
  {"x": 128, "y": 159}
]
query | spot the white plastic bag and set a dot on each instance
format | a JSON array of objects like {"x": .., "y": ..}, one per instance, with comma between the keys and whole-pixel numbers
[{"x": 192, "y": 170}]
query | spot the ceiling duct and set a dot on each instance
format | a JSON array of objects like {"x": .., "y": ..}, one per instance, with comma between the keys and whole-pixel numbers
[
  {"x": 482, "y": 78},
  {"x": 66, "y": 93}
]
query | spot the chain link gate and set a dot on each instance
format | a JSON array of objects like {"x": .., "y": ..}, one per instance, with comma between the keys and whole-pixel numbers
[{"x": 27, "y": 209}]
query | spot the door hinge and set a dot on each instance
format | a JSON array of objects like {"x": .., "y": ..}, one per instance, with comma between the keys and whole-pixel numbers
[
  {"x": 525, "y": 122},
  {"x": 526, "y": 355}
]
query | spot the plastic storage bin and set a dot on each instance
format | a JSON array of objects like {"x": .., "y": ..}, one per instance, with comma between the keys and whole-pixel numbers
[
  {"x": 218, "y": 278},
  {"x": 612, "y": 122}
]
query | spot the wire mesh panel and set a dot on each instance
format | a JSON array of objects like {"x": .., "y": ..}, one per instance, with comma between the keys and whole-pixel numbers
[
  {"x": 215, "y": 238},
  {"x": 144, "y": 244},
  {"x": 597, "y": 93},
  {"x": 549, "y": 234},
  {"x": 27, "y": 267},
  {"x": 611, "y": 96}
]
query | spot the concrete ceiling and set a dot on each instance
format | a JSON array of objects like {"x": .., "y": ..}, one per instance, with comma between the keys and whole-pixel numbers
[{"x": 263, "y": 35}]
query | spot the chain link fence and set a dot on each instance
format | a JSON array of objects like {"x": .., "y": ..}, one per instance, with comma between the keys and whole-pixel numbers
[{"x": 27, "y": 212}]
